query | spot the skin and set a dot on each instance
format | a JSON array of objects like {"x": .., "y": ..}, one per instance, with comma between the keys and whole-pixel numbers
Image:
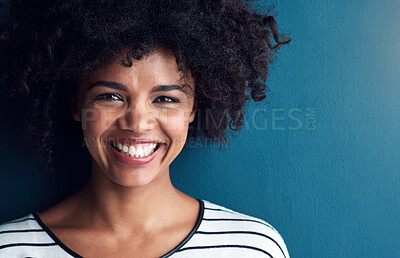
[{"x": 123, "y": 210}]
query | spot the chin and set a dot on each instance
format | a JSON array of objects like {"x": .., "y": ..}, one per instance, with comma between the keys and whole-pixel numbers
[{"x": 134, "y": 177}]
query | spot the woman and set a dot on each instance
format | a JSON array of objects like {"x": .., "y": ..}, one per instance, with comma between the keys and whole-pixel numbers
[{"x": 140, "y": 76}]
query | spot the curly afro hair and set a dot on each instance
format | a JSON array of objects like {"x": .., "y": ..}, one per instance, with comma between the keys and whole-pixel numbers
[{"x": 48, "y": 45}]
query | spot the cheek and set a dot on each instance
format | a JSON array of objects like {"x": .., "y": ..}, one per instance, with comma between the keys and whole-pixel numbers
[
  {"x": 176, "y": 126},
  {"x": 95, "y": 122},
  {"x": 176, "y": 122}
]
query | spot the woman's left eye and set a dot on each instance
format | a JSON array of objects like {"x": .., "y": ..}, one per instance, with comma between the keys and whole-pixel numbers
[
  {"x": 165, "y": 99},
  {"x": 109, "y": 97}
]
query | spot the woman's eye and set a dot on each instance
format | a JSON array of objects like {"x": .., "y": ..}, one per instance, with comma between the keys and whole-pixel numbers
[
  {"x": 109, "y": 97},
  {"x": 165, "y": 99}
]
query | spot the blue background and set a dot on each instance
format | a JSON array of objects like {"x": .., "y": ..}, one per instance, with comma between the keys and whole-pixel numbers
[{"x": 320, "y": 160}]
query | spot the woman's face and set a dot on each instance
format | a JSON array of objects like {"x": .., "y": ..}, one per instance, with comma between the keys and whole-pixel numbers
[{"x": 135, "y": 119}]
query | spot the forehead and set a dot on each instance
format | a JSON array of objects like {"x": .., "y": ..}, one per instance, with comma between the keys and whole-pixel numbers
[{"x": 158, "y": 67}]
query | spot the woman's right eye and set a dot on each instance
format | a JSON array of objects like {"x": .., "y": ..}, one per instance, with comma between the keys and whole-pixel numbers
[{"x": 109, "y": 97}]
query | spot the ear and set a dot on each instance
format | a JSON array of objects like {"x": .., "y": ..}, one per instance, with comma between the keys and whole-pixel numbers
[
  {"x": 74, "y": 109},
  {"x": 194, "y": 110}
]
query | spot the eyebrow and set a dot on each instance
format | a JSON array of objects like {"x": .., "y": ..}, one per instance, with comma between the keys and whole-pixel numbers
[
  {"x": 111, "y": 85},
  {"x": 158, "y": 88}
]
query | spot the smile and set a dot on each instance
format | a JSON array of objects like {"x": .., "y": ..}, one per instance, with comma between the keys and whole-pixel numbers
[{"x": 136, "y": 152}]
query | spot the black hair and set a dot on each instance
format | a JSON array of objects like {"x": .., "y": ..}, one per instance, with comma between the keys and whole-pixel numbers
[{"x": 47, "y": 45}]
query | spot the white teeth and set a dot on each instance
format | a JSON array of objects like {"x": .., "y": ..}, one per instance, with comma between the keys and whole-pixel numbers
[
  {"x": 152, "y": 147},
  {"x": 132, "y": 151},
  {"x": 145, "y": 150},
  {"x": 138, "y": 151}
]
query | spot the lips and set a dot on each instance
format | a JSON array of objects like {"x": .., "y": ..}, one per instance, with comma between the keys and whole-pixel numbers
[{"x": 132, "y": 158}]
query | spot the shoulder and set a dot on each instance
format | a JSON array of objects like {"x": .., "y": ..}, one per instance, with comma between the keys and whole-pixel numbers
[
  {"x": 232, "y": 228},
  {"x": 11, "y": 230},
  {"x": 24, "y": 237},
  {"x": 16, "y": 232}
]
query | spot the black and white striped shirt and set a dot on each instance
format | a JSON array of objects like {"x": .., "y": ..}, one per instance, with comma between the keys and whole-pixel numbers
[{"x": 219, "y": 232}]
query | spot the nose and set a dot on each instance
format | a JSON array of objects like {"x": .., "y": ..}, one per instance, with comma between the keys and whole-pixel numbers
[{"x": 138, "y": 119}]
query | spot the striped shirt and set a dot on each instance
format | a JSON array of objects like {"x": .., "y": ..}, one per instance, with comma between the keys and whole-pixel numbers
[{"x": 219, "y": 232}]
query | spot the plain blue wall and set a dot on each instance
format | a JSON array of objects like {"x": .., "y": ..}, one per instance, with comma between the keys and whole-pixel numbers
[{"x": 320, "y": 160}]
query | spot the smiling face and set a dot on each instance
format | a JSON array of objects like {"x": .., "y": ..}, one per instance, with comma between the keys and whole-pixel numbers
[{"x": 135, "y": 119}]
